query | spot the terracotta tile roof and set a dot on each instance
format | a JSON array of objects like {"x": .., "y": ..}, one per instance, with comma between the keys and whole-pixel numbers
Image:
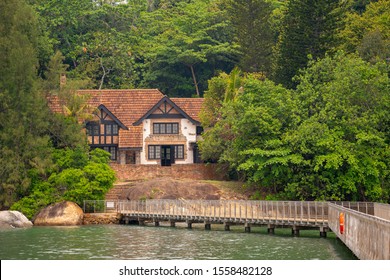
[
  {"x": 129, "y": 106},
  {"x": 126, "y": 105},
  {"x": 191, "y": 106},
  {"x": 131, "y": 138}
]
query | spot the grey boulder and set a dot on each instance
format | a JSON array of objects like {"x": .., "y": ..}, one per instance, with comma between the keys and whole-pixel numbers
[{"x": 13, "y": 219}]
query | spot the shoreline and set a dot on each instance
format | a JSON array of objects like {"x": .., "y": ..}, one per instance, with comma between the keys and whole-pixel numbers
[{"x": 100, "y": 218}]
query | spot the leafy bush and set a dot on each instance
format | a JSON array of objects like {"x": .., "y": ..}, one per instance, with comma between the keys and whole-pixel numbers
[{"x": 77, "y": 176}]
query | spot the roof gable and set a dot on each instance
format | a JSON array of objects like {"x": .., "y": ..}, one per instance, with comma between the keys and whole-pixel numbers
[
  {"x": 103, "y": 109},
  {"x": 165, "y": 108}
]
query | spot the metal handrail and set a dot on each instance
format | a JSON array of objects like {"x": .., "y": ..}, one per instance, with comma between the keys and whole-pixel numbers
[{"x": 293, "y": 211}]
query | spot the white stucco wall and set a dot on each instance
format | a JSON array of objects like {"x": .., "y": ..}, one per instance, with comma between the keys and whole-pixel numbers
[
  {"x": 146, "y": 132},
  {"x": 189, "y": 131},
  {"x": 186, "y": 129}
]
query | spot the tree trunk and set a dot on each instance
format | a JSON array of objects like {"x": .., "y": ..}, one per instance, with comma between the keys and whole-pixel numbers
[
  {"x": 104, "y": 73},
  {"x": 194, "y": 78}
]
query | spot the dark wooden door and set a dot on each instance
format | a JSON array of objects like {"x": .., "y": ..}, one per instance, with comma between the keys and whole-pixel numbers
[{"x": 167, "y": 155}]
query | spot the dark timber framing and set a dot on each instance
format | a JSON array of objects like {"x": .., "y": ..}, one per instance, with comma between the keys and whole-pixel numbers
[
  {"x": 165, "y": 112},
  {"x": 103, "y": 109},
  {"x": 111, "y": 125}
]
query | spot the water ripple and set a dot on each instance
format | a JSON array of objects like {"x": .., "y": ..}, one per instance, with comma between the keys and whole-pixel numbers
[{"x": 144, "y": 243}]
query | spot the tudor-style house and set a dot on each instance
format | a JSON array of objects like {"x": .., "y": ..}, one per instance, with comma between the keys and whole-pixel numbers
[{"x": 142, "y": 126}]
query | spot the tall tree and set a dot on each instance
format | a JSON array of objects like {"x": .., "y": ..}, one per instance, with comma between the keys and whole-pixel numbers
[
  {"x": 251, "y": 20},
  {"x": 308, "y": 28},
  {"x": 23, "y": 114}
]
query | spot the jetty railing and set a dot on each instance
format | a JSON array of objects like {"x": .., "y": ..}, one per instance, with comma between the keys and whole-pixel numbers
[
  {"x": 382, "y": 211},
  {"x": 100, "y": 206},
  {"x": 367, "y": 236},
  {"x": 293, "y": 212},
  {"x": 362, "y": 207}
]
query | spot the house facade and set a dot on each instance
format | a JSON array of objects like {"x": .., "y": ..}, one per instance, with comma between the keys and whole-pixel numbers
[{"x": 142, "y": 126}]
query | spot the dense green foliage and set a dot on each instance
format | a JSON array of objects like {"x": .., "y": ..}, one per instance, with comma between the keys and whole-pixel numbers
[
  {"x": 178, "y": 45},
  {"x": 323, "y": 133},
  {"x": 175, "y": 46},
  {"x": 368, "y": 33},
  {"x": 192, "y": 38},
  {"x": 327, "y": 140},
  {"x": 23, "y": 140},
  {"x": 251, "y": 21},
  {"x": 44, "y": 157},
  {"x": 309, "y": 28},
  {"x": 76, "y": 176},
  {"x": 303, "y": 113}
]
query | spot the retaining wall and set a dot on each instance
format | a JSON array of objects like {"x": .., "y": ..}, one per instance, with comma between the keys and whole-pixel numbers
[
  {"x": 126, "y": 172},
  {"x": 101, "y": 218}
]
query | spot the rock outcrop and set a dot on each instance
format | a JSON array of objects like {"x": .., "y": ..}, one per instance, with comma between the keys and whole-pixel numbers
[
  {"x": 13, "y": 219},
  {"x": 64, "y": 213}
]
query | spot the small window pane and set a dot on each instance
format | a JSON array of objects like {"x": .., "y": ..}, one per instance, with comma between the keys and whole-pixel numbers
[
  {"x": 156, "y": 128},
  {"x": 158, "y": 152},
  {"x": 108, "y": 129},
  {"x": 95, "y": 129},
  {"x": 113, "y": 153},
  {"x": 169, "y": 128},
  {"x": 151, "y": 152},
  {"x": 179, "y": 152},
  {"x": 175, "y": 128},
  {"x": 168, "y": 153},
  {"x": 115, "y": 129},
  {"x": 89, "y": 129}
]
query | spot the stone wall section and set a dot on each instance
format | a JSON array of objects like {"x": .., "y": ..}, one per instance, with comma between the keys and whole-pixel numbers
[
  {"x": 101, "y": 218},
  {"x": 130, "y": 172}
]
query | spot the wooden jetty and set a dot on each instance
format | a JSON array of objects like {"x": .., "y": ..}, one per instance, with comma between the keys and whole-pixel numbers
[{"x": 365, "y": 227}]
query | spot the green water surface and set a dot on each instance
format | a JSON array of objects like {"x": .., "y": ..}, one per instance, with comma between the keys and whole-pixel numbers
[{"x": 118, "y": 242}]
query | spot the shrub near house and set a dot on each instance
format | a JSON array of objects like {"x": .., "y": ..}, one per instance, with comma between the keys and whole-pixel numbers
[{"x": 77, "y": 176}]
